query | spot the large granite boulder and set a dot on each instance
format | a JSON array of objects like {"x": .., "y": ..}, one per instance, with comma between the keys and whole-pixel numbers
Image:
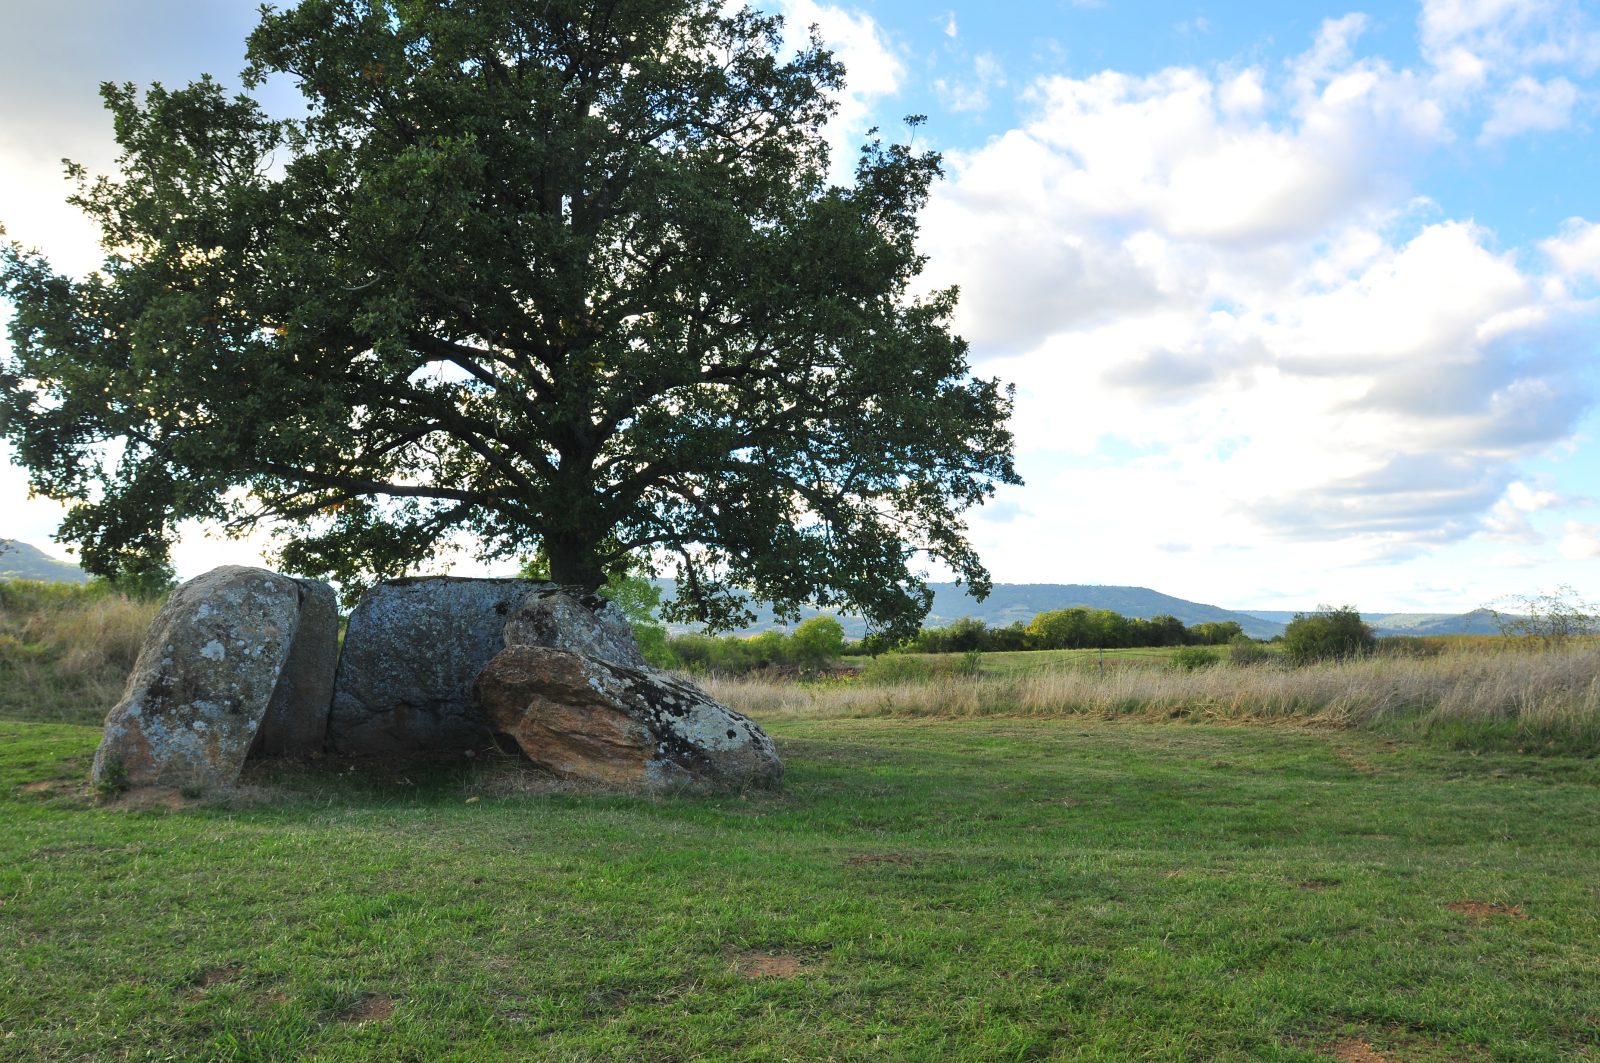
[
  {"x": 411, "y": 652},
  {"x": 591, "y": 721},
  {"x": 210, "y": 670},
  {"x": 560, "y": 619}
]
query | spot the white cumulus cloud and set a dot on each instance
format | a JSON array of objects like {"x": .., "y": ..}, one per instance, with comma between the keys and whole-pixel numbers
[
  {"x": 1580, "y": 541},
  {"x": 1224, "y": 306},
  {"x": 1576, "y": 250},
  {"x": 1530, "y": 105}
]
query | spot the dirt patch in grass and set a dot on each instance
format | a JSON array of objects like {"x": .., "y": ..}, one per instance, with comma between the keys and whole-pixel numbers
[
  {"x": 374, "y": 1007},
  {"x": 1352, "y": 1050},
  {"x": 866, "y": 859},
  {"x": 214, "y": 976},
  {"x": 1318, "y": 884},
  {"x": 146, "y": 799},
  {"x": 754, "y": 965},
  {"x": 1352, "y": 758},
  {"x": 605, "y": 1001},
  {"x": 1484, "y": 909},
  {"x": 149, "y": 798}
]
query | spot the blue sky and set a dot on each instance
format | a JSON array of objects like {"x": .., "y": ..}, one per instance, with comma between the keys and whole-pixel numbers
[{"x": 1300, "y": 300}]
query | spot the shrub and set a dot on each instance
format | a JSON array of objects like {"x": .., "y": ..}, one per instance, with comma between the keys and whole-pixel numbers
[
  {"x": 1246, "y": 653},
  {"x": 1194, "y": 658},
  {"x": 1328, "y": 634},
  {"x": 817, "y": 642},
  {"x": 897, "y": 668}
]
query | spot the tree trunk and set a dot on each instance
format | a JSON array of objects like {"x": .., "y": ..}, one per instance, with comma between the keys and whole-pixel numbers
[{"x": 573, "y": 562}]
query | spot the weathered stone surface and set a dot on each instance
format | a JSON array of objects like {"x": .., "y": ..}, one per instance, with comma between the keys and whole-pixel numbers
[
  {"x": 559, "y": 619},
  {"x": 202, "y": 683},
  {"x": 411, "y": 652},
  {"x": 643, "y": 731},
  {"x": 296, "y": 723}
]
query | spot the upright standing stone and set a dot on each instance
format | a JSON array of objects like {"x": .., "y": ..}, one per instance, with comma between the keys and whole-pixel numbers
[
  {"x": 200, "y": 688},
  {"x": 411, "y": 652},
  {"x": 296, "y": 724}
]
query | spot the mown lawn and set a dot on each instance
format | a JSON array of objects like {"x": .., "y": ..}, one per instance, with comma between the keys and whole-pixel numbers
[{"x": 924, "y": 889}]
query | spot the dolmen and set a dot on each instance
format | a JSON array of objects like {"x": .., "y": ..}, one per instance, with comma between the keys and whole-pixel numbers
[{"x": 244, "y": 663}]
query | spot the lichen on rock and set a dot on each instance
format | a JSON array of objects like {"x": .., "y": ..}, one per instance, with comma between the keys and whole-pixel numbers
[
  {"x": 411, "y": 652},
  {"x": 210, "y": 666}
]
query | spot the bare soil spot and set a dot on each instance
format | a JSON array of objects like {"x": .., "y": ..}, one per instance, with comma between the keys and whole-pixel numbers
[
  {"x": 48, "y": 786},
  {"x": 609, "y": 1000},
  {"x": 1483, "y": 909},
  {"x": 214, "y": 976},
  {"x": 374, "y": 1007},
  {"x": 275, "y": 997},
  {"x": 769, "y": 965},
  {"x": 1352, "y": 758},
  {"x": 1176, "y": 872},
  {"x": 1352, "y": 1050},
  {"x": 147, "y": 798}
]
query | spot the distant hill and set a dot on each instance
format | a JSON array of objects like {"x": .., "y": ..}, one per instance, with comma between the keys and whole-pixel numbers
[
  {"x": 1010, "y": 602},
  {"x": 18, "y": 560},
  {"x": 1477, "y": 622},
  {"x": 1277, "y": 616}
]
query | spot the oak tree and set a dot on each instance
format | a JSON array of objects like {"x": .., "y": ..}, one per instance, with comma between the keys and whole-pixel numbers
[{"x": 565, "y": 274}]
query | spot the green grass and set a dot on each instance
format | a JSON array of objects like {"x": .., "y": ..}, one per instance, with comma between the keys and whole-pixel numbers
[{"x": 925, "y": 889}]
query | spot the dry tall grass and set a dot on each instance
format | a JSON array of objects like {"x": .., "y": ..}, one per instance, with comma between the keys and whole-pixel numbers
[
  {"x": 65, "y": 652},
  {"x": 1553, "y": 695}
]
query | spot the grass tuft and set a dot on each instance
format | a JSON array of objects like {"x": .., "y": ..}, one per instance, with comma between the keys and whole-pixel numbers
[{"x": 66, "y": 650}]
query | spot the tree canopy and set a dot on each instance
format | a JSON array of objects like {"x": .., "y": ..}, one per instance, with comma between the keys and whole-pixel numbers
[{"x": 565, "y": 274}]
